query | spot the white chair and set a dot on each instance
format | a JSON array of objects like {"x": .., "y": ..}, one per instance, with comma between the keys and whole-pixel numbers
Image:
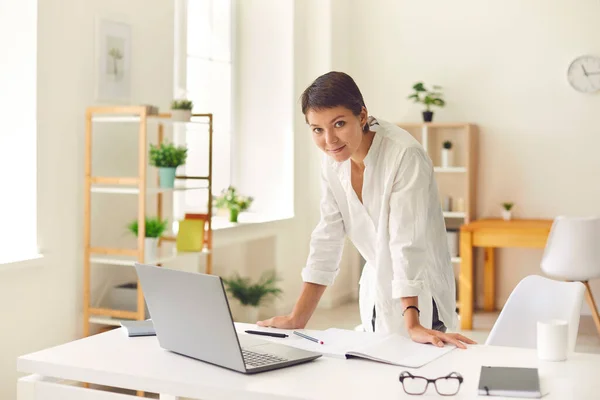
[
  {"x": 573, "y": 254},
  {"x": 537, "y": 298}
]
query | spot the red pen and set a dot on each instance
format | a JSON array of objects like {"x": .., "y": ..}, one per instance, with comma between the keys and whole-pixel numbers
[{"x": 309, "y": 337}]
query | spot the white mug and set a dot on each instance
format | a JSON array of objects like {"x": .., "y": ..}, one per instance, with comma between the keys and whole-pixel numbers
[{"x": 552, "y": 340}]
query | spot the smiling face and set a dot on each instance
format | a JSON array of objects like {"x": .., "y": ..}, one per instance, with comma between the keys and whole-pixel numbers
[{"x": 337, "y": 131}]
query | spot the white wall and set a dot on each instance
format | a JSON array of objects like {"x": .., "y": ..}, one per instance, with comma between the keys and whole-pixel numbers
[
  {"x": 503, "y": 66},
  {"x": 41, "y": 306},
  {"x": 263, "y": 97}
]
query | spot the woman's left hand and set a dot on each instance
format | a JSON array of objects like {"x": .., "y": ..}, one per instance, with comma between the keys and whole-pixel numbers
[{"x": 420, "y": 334}]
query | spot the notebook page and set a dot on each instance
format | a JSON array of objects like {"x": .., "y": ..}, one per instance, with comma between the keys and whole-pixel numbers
[
  {"x": 398, "y": 350},
  {"x": 338, "y": 342}
]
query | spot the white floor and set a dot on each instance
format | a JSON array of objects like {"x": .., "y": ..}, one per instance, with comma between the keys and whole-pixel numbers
[{"x": 347, "y": 317}]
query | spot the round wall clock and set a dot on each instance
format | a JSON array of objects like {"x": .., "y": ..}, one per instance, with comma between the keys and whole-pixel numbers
[{"x": 584, "y": 74}]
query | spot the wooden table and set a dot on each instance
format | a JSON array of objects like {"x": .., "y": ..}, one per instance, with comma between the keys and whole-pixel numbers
[{"x": 492, "y": 233}]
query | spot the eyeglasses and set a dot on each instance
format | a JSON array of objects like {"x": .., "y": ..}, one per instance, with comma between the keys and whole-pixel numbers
[{"x": 445, "y": 385}]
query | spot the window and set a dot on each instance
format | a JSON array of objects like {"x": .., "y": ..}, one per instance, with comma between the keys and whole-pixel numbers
[
  {"x": 204, "y": 53},
  {"x": 18, "y": 69}
]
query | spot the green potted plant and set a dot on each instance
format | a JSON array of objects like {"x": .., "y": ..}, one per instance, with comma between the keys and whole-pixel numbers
[
  {"x": 447, "y": 158},
  {"x": 507, "y": 210},
  {"x": 427, "y": 97},
  {"x": 181, "y": 110},
  {"x": 167, "y": 158},
  {"x": 230, "y": 199},
  {"x": 154, "y": 228},
  {"x": 252, "y": 294},
  {"x": 116, "y": 56}
]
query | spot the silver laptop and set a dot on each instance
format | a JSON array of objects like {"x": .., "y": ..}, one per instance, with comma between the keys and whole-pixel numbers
[{"x": 191, "y": 317}]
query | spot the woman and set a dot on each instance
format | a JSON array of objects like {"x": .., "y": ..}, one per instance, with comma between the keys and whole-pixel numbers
[{"x": 379, "y": 189}]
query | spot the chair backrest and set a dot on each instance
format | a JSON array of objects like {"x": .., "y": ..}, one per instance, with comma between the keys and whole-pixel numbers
[
  {"x": 537, "y": 298},
  {"x": 573, "y": 249}
]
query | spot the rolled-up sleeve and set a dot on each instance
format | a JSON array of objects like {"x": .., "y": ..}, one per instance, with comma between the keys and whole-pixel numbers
[
  {"x": 327, "y": 241},
  {"x": 408, "y": 223}
]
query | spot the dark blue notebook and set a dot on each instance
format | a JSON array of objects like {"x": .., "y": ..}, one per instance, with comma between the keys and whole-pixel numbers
[{"x": 509, "y": 382}]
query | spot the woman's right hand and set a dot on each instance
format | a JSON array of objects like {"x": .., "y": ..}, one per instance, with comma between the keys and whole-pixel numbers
[
  {"x": 281, "y": 322},
  {"x": 304, "y": 308}
]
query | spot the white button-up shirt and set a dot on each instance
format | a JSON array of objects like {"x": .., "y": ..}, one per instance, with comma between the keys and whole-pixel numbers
[{"x": 399, "y": 230}]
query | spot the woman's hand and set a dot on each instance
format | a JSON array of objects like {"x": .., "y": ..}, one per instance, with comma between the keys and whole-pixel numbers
[
  {"x": 304, "y": 308},
  {"x": 282, "y": 322},
  {"x": 420, "y": 334}
]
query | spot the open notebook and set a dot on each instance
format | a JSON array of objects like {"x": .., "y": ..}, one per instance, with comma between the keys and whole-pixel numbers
[{"x": 390, "y": 349}]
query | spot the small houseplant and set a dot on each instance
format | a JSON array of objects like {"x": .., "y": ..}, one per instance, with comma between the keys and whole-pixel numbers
[
  {"x": 447, "y": 159},
  {"x": 181, "y": 110},
  {"x": 167, "y": 158},
  {"x": 116, "y": 56},
  {"x": 507, "y": 210},
  {"x": 231, "y": 200},
  {"x": 427, "y": 97},
  {"x": 251, "y": 295},
  {"x": 154, "y": 228}
]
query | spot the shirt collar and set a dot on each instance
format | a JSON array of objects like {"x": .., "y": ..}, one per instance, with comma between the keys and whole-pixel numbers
[{"x": 376, "y": 144}]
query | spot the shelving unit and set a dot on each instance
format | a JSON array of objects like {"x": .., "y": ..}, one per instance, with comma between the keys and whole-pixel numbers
[
  {"x": 457, "y": 181},
  {"x": 144, "y": 117}
]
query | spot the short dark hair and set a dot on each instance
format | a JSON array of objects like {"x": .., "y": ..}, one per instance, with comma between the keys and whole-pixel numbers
[{"x": 331, "y": 90}]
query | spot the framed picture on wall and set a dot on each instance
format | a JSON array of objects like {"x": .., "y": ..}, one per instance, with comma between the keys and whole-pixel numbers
[{"x": 113, "y": 61}]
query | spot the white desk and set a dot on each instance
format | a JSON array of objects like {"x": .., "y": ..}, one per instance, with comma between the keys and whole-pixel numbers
[{"x": 112, "y": 359}]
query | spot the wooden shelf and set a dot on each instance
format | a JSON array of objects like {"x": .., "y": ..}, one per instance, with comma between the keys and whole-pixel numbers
[
  {"x": 433, "y": 124},
  {"x": 154, "y": 190},
  {"x": 163, "y": 257},
  {"x": 100, "y": 320},
  {"x": 454, "y": 214},
  {"x": 450, "y": 169},
  {"x": 150, "y": 118},
  {"x": 107, "y": 312}
]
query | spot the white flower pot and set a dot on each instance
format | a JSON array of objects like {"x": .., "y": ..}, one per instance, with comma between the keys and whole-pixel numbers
[
  {"x": 248, "y": 314},
  {"x": 452, "y": 236},
  {"x": 181, "y": 115},
  {"x": 506, "y": 215},
  {"x": 447, "y": 158},
  {"x": 150, "y": 250}
]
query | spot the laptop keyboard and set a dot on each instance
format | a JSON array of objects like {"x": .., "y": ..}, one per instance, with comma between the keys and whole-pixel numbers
[{"x": 254, "y": 359}]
